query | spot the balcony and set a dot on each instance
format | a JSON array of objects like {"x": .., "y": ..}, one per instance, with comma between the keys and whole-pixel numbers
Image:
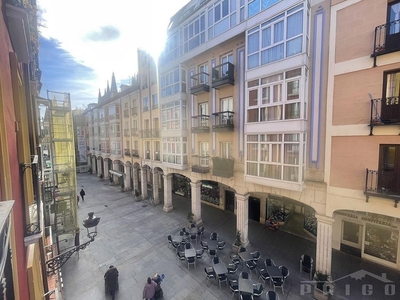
[
  {"x": 146, "y": 133},
  {"x": 223, "y": 167},
  {"x": 200, "y": 124},
  {"x": 157, "y": 156},
  {"x": 384, "y": 111},
  {"x": 223, "y": 75},
  {"x": 200, "y": 84},
  {"x": 135, "y": 131},
  {"x": 387, "y": 187},
  {"x": 223, "y": 121},
  {"x": 387, "y": 39},
  {"x": 201, "y": 164},
  {"x": 127, "y": 152},
  {"x": 135, "y": 153},
  {"x": 155, "y": 133}
]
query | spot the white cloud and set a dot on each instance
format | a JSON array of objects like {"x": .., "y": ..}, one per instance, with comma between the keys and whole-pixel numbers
[{"x": 133, "y": 23}]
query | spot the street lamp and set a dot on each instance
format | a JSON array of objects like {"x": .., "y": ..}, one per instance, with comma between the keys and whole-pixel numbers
[{"x": 58, "y": 261}]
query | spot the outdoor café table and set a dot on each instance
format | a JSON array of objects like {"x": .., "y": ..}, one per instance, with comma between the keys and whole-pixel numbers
[
  {"x": 178, "y": 238},
  {"x": 212, "y": 244},
  {"x": 246, "y": 256},
  {"x": 245, "y": 286},
  {"x": 220, "y": 268},
  {"x": 192, "y": 230},
  {"x": 190, "y": 252},
  {"x": 274, "y": 272}
]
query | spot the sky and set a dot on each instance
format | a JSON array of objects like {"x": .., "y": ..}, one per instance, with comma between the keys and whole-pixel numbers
[{"x": 84, "y": 41}]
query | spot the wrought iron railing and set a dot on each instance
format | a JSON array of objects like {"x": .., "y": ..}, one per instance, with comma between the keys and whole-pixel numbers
[{"x": 386, "y": 39}]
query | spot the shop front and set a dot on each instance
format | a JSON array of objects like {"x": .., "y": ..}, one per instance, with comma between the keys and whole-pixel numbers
[
  {"x": 210, "y": 192},
  {"x": 371, "y": 236},
  {"x": 181, "y": 185}
]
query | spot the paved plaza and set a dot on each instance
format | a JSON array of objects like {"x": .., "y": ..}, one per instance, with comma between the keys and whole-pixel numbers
[{"x": 133, "y": 237}]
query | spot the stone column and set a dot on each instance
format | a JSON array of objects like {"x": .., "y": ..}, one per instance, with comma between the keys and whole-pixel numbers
[
  {"x": 144, "y": 182},
  {"x": 155, "y": 187},
  {"x": 323, "y": 260},
  {"x": 168, "y": 193},
  {"x": 127, "y": 184},
  {"x": 242, "y": 217},
  {"x": 105, "y": 163},
  {"x": 196, "y": 201},
  {"x": 99, "y": 168},
  {"x": 135, "y": 180}
]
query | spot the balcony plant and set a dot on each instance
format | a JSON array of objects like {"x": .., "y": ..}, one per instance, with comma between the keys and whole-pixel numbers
[
  {"x": 237, "y": 243},
  {"x": 323, "y": 286}
]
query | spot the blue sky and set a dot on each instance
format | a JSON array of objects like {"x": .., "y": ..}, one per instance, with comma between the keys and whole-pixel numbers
[{"x": 83, "y": 42}]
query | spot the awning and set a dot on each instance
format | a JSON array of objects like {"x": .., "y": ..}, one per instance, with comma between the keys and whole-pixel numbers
[{"x": 116, "y": 173}]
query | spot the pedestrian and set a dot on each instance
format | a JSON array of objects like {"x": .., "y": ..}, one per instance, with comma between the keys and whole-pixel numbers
[
  {"x": 149, "y": 290},
  {"x": 82, "y": 193},
  {"x": 111, "y": 280}
]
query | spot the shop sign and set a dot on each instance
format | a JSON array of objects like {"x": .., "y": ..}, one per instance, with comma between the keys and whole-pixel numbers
[{"x": 365, "y": 219}]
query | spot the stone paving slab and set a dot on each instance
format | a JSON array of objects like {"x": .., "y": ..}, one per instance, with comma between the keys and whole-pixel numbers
[{"x": 133, "y": 237}]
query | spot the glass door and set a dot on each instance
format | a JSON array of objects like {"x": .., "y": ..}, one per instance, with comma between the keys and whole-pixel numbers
[{"x": 393, "y": 28}]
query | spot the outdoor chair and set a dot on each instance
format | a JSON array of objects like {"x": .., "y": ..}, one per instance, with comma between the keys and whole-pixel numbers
[
  {"x": 271, "y": 295},
  {"x": 232, "y": 268},
  {"x": 210, "y": 273},
  {"x": 181, "y": 255},
  {"x": 204, "y": 245},
  {"x": 251, "y": 265},
  {"x": 306, "y": 264},
  {"x": 193, "y": 225},
  {"x": 246, "y": 297},
  {"x": 235, "y": 259},
  {"x": 214, "y": 236},
  {"x": 188, "y": 246},
  {"x": 256, "y": 255},
  {"x": 221, "y": 245},
  {"x": 222, "y": 278},
  {"x": 212, "y": 252},
  {"x": 244, "y": 275},
  {"x": 278, "y": 283},
  {"x": 199, "y": 253},
  {"x": 216, "y": 260},
  {"x": 191, "y": 261},
  {"x": 242, "y": 249},
  {"x": 258, "y": 289},
  {"x": 285, "y": 272},
  {"x": 200, "y": 232},
  {"x": 193, "y": 237},
  {"x": 264, "y": 276},
  {"x": 233, "y": 286},
  {"x": 269, "y": 262}
]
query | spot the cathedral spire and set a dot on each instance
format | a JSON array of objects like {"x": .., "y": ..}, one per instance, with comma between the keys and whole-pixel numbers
[{"x": 113, "y": 84}]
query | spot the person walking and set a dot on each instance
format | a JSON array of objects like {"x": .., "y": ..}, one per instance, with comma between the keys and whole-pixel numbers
[
  {"x": 82, "y": 193},
  {"x": 149, "y": 290},
  {"x": 111, "y": 280}
]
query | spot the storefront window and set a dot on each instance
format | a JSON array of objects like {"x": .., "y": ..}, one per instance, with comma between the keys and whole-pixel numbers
[
  {"x": 381, "y": 242},
  {"x": 278, "y": 210},
  {"x": 310, "y": 221},
  {"x": 210, "y": 192}
]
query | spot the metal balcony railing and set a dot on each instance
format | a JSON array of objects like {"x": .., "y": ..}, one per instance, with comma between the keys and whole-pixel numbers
[
  {"x": 374, "y": 187},
  {"x": 127, "y": 152},
  {"x": 387, "y": 39},
  {"x": 223, "y": 75},
  {"x": 223, "y": 121},
  {"x": 384, "y": 111},
  {"x": 135, "y": 153},
  {"x": 199, "y": 83},
  {"x": 201, "y": 124}
]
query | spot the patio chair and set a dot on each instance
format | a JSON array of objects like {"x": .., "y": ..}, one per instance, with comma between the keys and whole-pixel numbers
[
  {"x": 232, "y": 268},
  {"x": 199, "y": 253},
  {"x": 191, "y": 261},
  {"x": 193, "y": 237},
  {"x": 210, "y": 273},
  {"x": 242, "y": 249},
  {"x": 222, "y": 278},
  {"x": 246, "y": 297},
  {"x": 204, "y": 245},
  {"x": 264, "y": 276},
  {"x": 269, "y": 262},
  {"x": 188, "y": 246},
  {"x": 235, "y": 259},
  {"x": 285, "y": 272},
  {"x": 278, "y": 283},
  {"x": 244, "y": 275},
  {"x": 258, "y": 289},
  {"x": 216, "y": 260},
  {"x": 251, "y": 265},
  {"x": 214, "y": 236},
  {"x": 271, "y": 295},
  {"x": 181, "y": 255},
  {"x": 306, "y": 264},
  {"x": 212, "y": 252},
  {"x": 192, "y": 225},
  {"x": 233, "y": 286},
  {"x": 221, "y": 245},
  {"x": 256, "y": 255},
  {"x": 200, "y": 232}
]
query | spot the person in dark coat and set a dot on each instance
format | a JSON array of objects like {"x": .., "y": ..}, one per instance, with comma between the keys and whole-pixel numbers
[
  {"x": 82, "y": 193},
  {"x": 111, "y": 280}
]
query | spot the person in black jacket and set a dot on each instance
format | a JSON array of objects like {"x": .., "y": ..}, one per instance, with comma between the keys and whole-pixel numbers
[
  {"x": 82, "y": 193},
  {"x": 111, "y": 280}
]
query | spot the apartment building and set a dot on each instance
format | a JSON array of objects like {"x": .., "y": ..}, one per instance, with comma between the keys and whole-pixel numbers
[
  {"x": 362, "y": 134},
  {"x": 264, "y": 110}
]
